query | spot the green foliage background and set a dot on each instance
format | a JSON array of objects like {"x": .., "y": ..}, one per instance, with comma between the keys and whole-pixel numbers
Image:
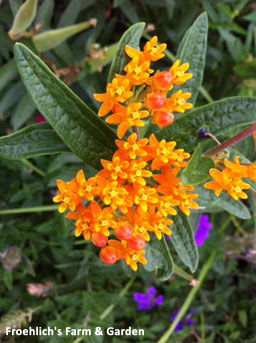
[{"x": 225, "y": 306}]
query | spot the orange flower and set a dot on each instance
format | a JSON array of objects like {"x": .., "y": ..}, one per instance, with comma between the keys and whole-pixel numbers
[
  {"x": 136, "y": 172},
  {"x": 133, "y": 147},
  {"x": 117, "y": 91},
  {"x": 178, "y": 73},
  {"x": 144, "y": 197},
  {"x": 115, "y": 169},
  {"x": 163, "y": 153},
  {"x": 68, "y": 196},
  {"x": 132, "y": 257},
  {"x": 102, "y": 219},
  {"x": 251, "y": 171},
  {"x": 165, "y": 205},
  {"x": 224, "y": 181},
  {"x": 87, "y": 189},
  {"x": 176, "y": 103},
  {"x": 137, "y": 72},
  {"x": 160, "y": 225},
  {"x": 114, "y": 195},
  {"x": 151, "y": 52},
  {"x": 236, "y": 169},
  {"x": 83, "y": 219},
  {"x": 127, "y": 117}
]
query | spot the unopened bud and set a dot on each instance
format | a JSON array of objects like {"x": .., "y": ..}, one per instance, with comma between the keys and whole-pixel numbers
[
  {"x": 163, "y": 118},
  {"x": 99, "y": 239},
  {"x": 155, "y": 101},
  {"x": 108, "y": 255},
  {"x": 163, "y": 80},
  {"x": 136, "y": 243},
  {"x": 123, "y": 231}
]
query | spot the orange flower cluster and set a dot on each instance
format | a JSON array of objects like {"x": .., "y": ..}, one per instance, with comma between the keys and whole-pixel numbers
[
  {"x": 135, "y": 193},
  {"x": 130, "y": 197},
  {"x": 142, "y": 95},
  {"x": 229, "y": 179}
]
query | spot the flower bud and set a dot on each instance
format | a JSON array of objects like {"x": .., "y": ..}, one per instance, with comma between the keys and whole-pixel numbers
[
  {"x": 163, "y": 80},
  {"x": 123, "y": 231},
  {"x": 155, "y": 101},
  {"x": 136, "y": 243},
  {"x": 163, "y": 118},
  {"x": 99, "y": 239},
  {"x": 108, "y": 255}
]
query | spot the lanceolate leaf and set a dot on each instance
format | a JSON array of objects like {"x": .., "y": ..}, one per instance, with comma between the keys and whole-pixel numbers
[
  {"x": 210, "y": 202},
  {"x": 217, "y": 118},
  {"x": 197, "y": 169},
  {"x": 24, "y": 17},
  {"x": 192, "y": 50},
  {"x": 77, "y": 125},
  {"x": 34, "y": 140},
  {"x": 182, "y": 238},
  {"x": 159, "y": 259},
  {"x": 131, "y": 37}
]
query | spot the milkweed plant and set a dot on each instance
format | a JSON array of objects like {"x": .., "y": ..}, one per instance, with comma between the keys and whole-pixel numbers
[{"x": 151, "y": 157}]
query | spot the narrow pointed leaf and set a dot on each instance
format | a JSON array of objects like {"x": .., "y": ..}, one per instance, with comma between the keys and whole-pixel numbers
[
  {"x": 182, "y": 238},
  {"x": 34, "y": 140},
  {"x": 76, "y": 124},
  {"x": 159, "y": 259},
  {"x": 7, "y": 73},
  {"x": 192, "y": 50},
  {"x": 51, "y": 38},
  {"x": 131, "y": 37},
  {"x": 24, "y": 17},
  {"x": 217, "y": 118}
]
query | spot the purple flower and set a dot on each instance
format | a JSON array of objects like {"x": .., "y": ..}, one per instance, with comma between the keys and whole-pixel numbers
[
  {"x": 202, "y": 231},
  {"x": 188, "y": 321},
  {"x": 149, "y": 300}
]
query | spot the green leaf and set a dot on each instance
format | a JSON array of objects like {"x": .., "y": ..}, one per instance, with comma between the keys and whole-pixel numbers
[
  {"x": 44, "y": 14},
  {"x": 24, "y": 17},
  {"x": 131, "y": 37},
  {"x": 34, "y": 140},
  {"x": 192, "y": 50},
  {"x": 51, "y": 38},
  {"x": 7, "y": 73},
  {"x": 23, "y": 112},
  {"x": 159, "y": 259},
  {"x": 76, "y": 124},
  {"x": 208, "y": 200},
  {"x": 182, "y": 238},
  {"x": 197, "y": 169},
  {"x": 218, "y": 118},
  {"x": 242, "y": 315},
  {"x": 12, "y": 96}
]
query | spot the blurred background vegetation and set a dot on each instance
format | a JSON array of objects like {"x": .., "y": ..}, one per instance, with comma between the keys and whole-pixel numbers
[{"x": 40, "y": 247}]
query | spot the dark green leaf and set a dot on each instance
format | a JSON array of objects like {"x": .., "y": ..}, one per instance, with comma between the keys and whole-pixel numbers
[
  {"x": 131, "y": 37},
  {"x": 34, "y": 140},
  {"x": 7, "y": 73},
  {"x": 23, "y": 112},
  {"x": 197, "y": 170},
  {"x": 218, "y": 118},
  {"x": 159, "y": 259},
  {"x": 11, "y": 96},
  {"x": 209, "y": 201},
  {"x": 182, "y": 238},
  {"x": 246, "y": 70},
  {"x": 77, "y": 125},
  {"x": 192, "y": 50}
]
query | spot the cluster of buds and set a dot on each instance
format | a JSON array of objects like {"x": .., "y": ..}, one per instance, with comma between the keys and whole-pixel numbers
[
  {"x": 229, "y": 178},
  {"x": 142, "y": 95},
  {"x": 135, "y": 193}
]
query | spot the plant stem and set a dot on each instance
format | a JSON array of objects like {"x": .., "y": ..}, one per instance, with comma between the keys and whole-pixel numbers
[
  {"x": 202, "y": 328},
  {"x": 109, "y": 309},
  {"x": 34, "y": 168},
  {"x": 237, "y": 138},
  {"x": 30, "y": 209},
  {"x": 172, "y": 57},
  {"x": 188, "y": 299},
  {"x": 237, "y": 225},
  {"x": 178, "y": 271}
]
